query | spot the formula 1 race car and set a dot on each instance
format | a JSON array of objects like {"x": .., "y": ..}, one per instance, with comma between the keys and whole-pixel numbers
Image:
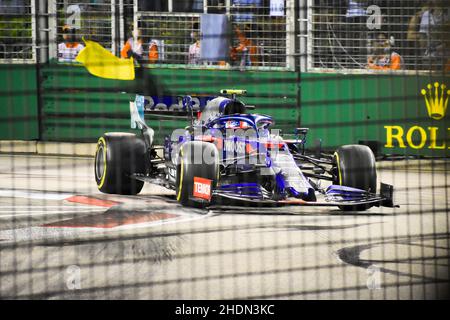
[{"x": 228, "y": 155}]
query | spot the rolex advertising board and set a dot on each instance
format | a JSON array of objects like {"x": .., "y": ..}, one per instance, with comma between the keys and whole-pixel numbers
[
  {"x": 400, "y": 114},
  {"x": 432, "y": 133}
]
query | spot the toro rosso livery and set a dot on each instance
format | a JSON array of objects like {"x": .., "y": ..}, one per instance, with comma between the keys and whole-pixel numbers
[{"x": 228, "y": 154}]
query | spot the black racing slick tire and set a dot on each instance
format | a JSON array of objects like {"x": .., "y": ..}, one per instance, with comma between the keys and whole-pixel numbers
[
  {"x": 119, "y": 155},
  {"x": 197, "y": 173},
  {"x": 356, "y": 168}
]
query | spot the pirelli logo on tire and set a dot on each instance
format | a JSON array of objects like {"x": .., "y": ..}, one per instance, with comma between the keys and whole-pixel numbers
[{"x": 202, "y": 188}]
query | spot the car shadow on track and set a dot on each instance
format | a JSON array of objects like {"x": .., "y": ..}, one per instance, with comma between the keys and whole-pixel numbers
[
  {"x": 246, "y": 209},
  {"x": 290, "y": 211},
  {"x": 352, "y": 255}
]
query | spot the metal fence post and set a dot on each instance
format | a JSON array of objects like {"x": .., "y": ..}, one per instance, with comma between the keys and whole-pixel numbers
[
  {"x": 290, "y": 34},
  {"x": 41, "y": 51},
  {"x": 42, "y": 30},
  {"x": 52, "y": 26},
  {"x": 303, "y": 35}
]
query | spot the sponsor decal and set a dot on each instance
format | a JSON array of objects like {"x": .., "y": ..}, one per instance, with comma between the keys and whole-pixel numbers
[
  {"x": 436, "y": 103},
  {"x": 202, "y": 188},
  {"x": 418, "y": 137},
  {"x": 233, "y": 124},
  {"x": 171, "y": 103},
  {"x": 235, "y": 146}
]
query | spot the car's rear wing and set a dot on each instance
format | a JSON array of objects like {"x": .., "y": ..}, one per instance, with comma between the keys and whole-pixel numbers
[
  {"x": 172, "y": 106},
  {"x": 164, "y": 107}
]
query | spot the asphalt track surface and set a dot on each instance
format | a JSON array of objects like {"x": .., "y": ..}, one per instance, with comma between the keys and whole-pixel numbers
[{"x": 60, "y": 238}]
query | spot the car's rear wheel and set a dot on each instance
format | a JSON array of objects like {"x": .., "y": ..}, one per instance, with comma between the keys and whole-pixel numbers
[
  {"x": 118, "y": 156},
  {"x": 196, "y": 176},
  {"x": 356, "y": 168}
]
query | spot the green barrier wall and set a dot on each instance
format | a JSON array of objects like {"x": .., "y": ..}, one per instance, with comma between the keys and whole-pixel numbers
[
  {"x": 338, "y": 108},
  {"x": 343, "y": 109},
  {"x": 18, "y": 103},
  {"x": 80, "y": 107}
]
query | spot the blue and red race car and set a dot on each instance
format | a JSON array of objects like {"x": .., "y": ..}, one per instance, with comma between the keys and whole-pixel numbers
[{"x": 227, "y": 154}]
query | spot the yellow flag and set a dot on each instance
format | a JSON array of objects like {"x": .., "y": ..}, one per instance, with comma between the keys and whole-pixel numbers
[{"x": 102, "y": 63}]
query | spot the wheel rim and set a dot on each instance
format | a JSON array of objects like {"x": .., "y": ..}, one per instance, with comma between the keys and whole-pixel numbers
[{"x": 99, "y": 163}]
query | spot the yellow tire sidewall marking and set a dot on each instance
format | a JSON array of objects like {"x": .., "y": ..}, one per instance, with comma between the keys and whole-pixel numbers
[
  {"x": 339, "y": 168},
  {"x": 180, "y": 186},
  {"x": 102, "y": 180}
]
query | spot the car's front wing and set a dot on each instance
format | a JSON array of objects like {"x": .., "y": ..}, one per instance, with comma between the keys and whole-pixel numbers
[{"x": 333, "y": 196}]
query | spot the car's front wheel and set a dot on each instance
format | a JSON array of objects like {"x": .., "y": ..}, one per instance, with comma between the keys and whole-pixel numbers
[
  {"x": 355, "y": 167},
  {"x": 118, "y": 156},
  {"x": 197, "y": 173}
]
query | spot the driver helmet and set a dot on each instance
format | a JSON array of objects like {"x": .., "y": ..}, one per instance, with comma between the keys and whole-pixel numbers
[{"x": 235, "y": 107}]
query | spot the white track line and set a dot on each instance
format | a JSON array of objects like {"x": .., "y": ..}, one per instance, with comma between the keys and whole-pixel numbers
[
  {"x": 24, "y": 210},
  {"x": 62, "y": 206},
  {"x": 11, "y": 193},
  {"x": 35, "y": 214}
]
